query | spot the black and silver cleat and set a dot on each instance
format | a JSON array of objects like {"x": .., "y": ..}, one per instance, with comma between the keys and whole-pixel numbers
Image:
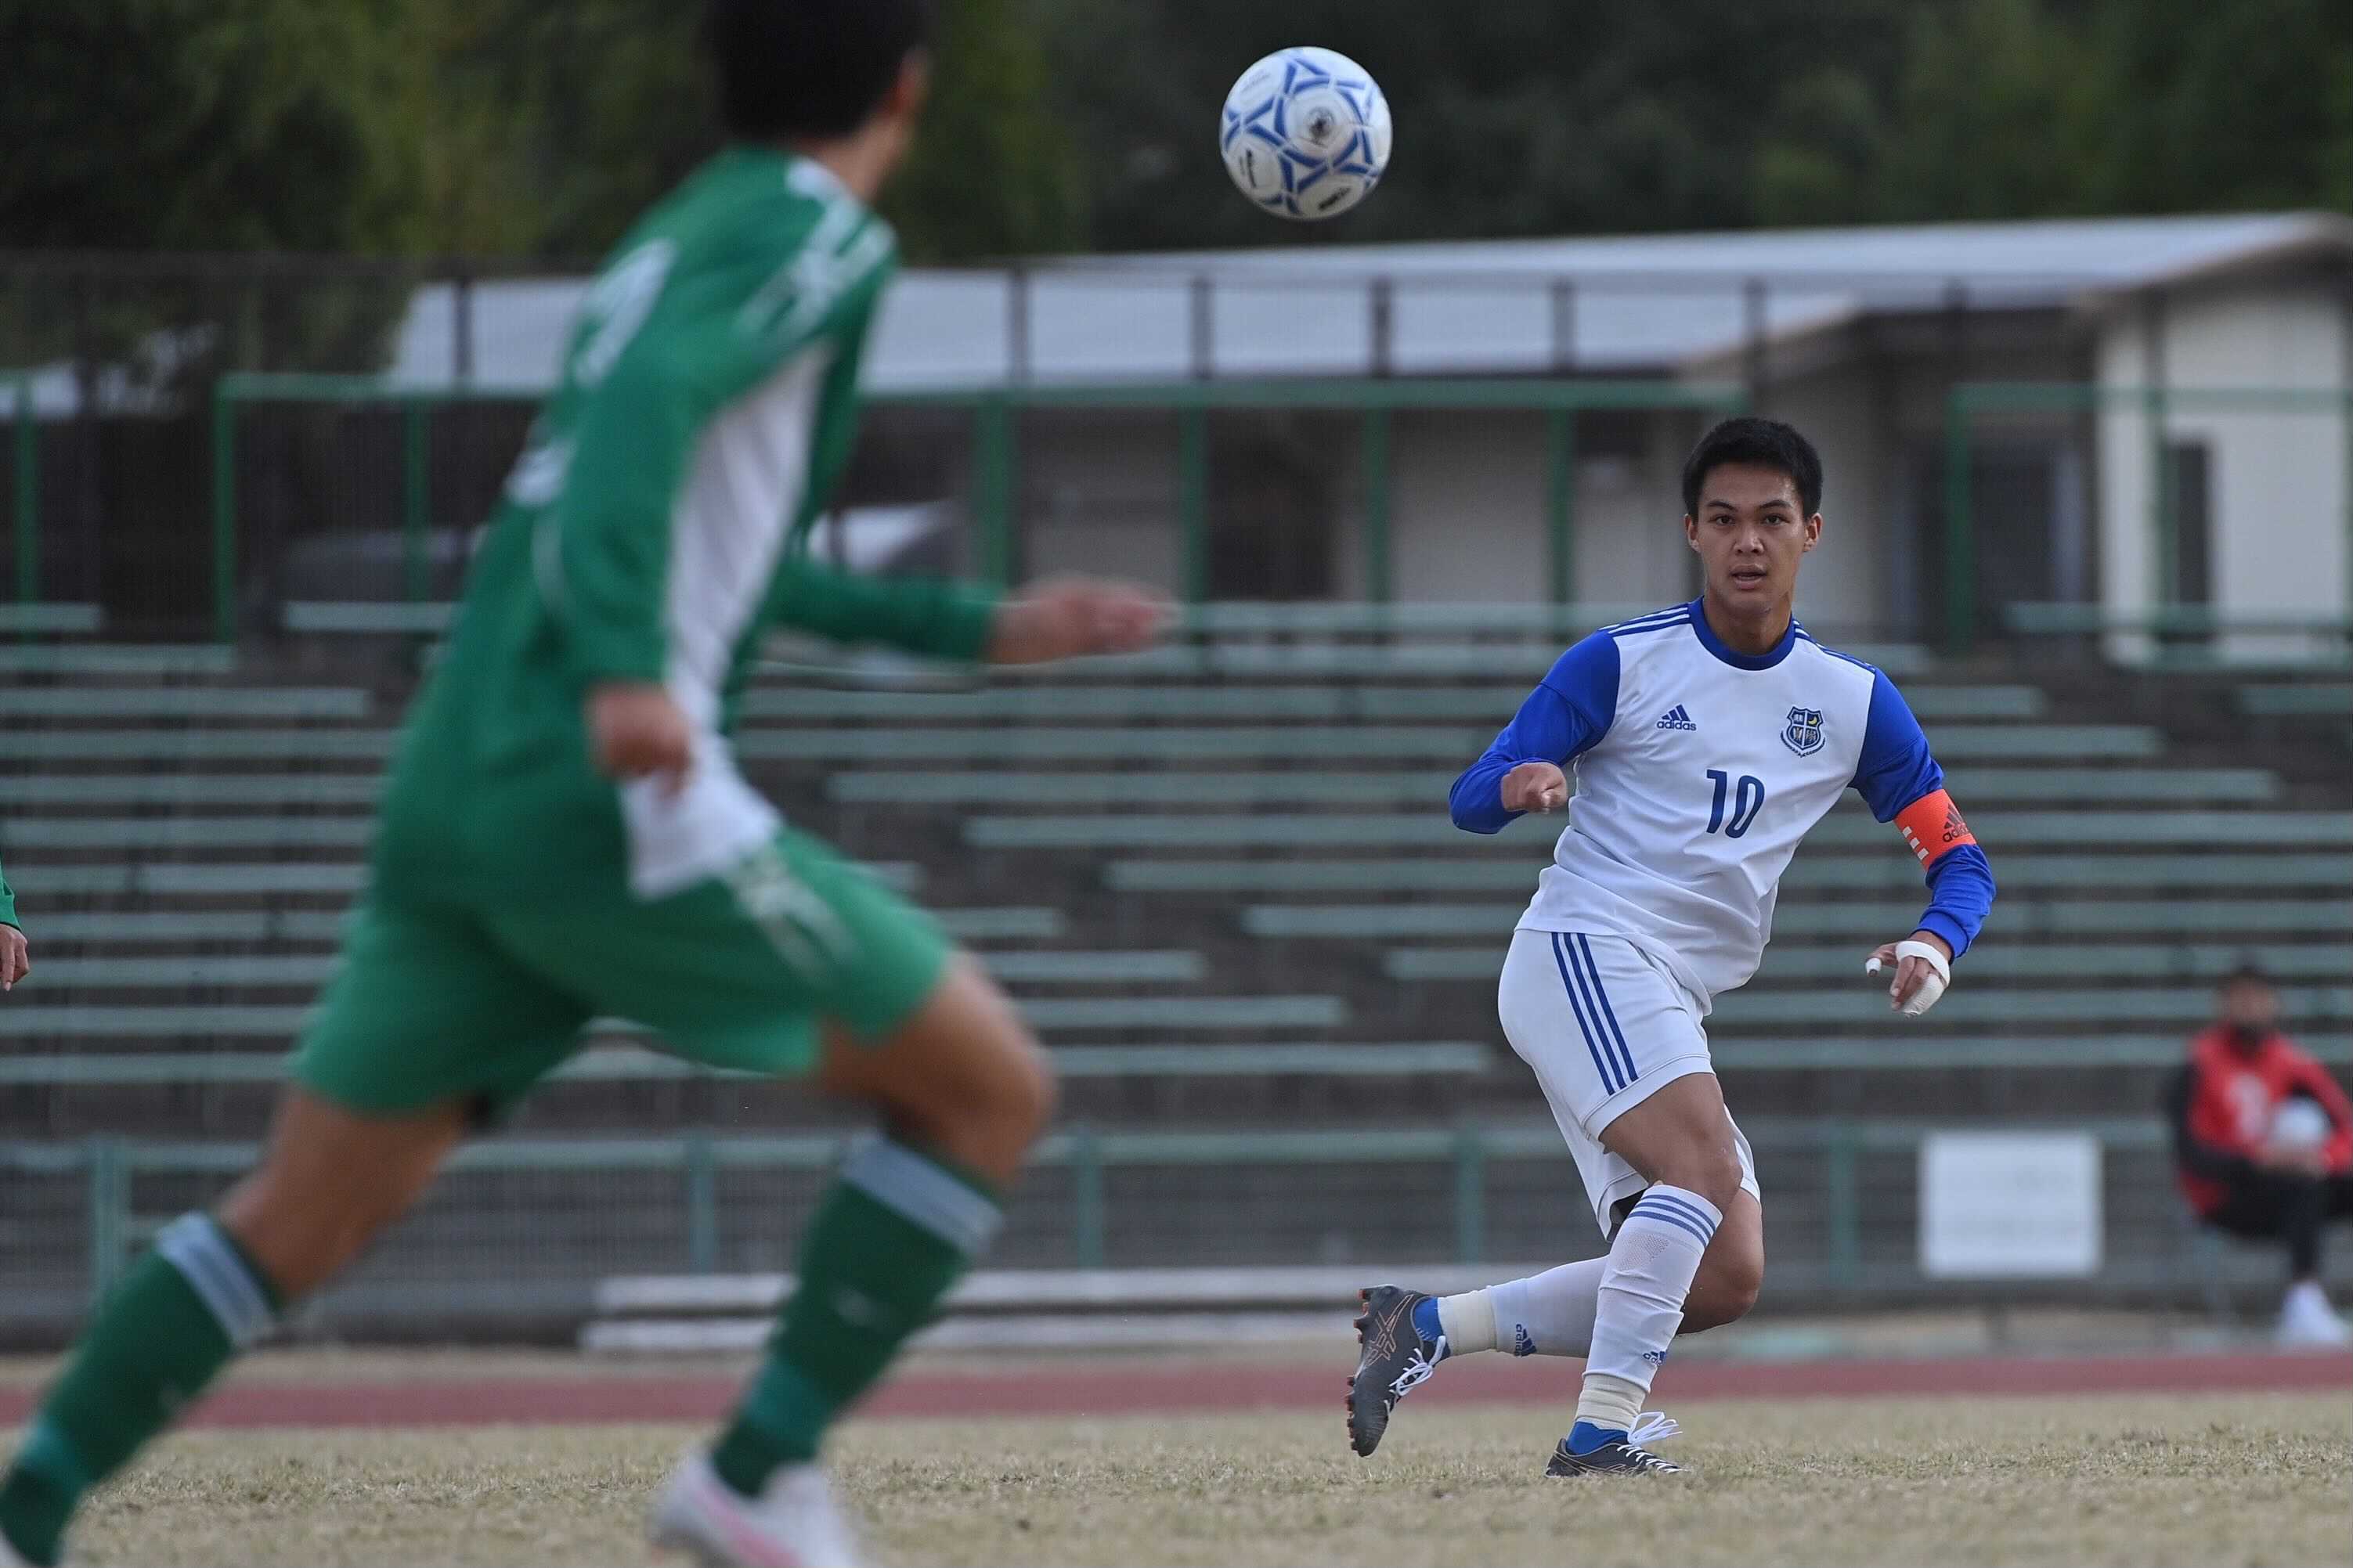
[
  {"x": 1620, "y": 1455},
  {"x": 1392, "y": 1361}
]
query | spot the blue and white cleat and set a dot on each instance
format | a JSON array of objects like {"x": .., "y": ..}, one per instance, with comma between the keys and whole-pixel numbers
[
  {"x": 1399, "y": 1346},
  {"x": 793, "y": 1523}
]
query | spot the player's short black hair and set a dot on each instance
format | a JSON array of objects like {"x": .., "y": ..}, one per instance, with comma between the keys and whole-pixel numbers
[
  {"x": 807, "y": 68},
  {"x": 2246, "y": 972},
  {"x": 1760, "y": 443}
]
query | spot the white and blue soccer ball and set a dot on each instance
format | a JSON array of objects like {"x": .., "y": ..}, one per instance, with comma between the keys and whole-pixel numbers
[{"x": 1306, "y": 133}]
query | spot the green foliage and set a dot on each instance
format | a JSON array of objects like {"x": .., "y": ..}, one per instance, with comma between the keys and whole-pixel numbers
[
  {"x": 209, "y": 125},
  {"x": 521, "y": 128},
  {"x": 993, "y": 171}
]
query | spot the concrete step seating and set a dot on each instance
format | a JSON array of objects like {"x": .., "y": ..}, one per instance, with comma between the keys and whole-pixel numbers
[
  {"x": 1186, "y": 745},
  {"x": 241, "y": 703},
  {"x": 255, "y": 792},
  {"x": 1845, "y": 829},
  {"x": 2071, "y": 962},
  {"x": 1185, "y": 1015},
  {"x": 2013, "y": 917},
  {"x": 109, "y": 930},
  {"x": 104, "y": 660},
  {"x": 1975, "y": 785},
  {"x": 234, "y": 972},
  {"x": 1328, "y": 703},
  {"x": 624, "y": 1063},
  {"x": 181, "y": 831},
  {"x": 2299, "y": 700},
  {"x": 1883, "y": 873},
  {"x": 166, "y": 878}
]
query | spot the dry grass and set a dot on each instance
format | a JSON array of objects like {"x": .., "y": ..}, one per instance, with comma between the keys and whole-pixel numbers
[{"x": 2261, "y": 1480}]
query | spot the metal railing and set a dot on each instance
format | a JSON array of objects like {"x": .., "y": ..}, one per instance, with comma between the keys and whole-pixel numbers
[
  {"x": 525, "y": 1226},
  {"x": 996, "y": 453}
]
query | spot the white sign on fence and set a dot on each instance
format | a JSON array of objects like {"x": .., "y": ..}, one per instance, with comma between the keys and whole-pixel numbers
[{"x": 2009, "y": 1206}]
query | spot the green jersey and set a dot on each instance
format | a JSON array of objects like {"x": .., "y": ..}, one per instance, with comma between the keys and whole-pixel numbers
[
  {"x": 653, "y": 531},
  {"x": 8, "y": 901}
]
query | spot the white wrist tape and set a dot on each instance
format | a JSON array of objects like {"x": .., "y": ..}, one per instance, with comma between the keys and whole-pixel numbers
[{"x": 1939, "y": 977}]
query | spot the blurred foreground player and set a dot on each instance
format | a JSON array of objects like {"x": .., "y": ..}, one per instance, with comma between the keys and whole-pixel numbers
[
  {"x": 15, "y": 960},
  {"x": 566, "y": 834},
  {"x": 1707, "y": 738},
  {"x": 2262, "y": 1143}
]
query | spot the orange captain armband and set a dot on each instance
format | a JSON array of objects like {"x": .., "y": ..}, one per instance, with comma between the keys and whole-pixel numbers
[{"x": 1933, "y": 829}]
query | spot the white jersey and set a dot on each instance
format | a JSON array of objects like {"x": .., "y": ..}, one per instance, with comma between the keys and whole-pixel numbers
[{"x": 1697, "y": 771}]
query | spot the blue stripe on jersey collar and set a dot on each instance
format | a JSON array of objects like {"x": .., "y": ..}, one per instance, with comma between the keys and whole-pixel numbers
[{"x": 1733, "y": 656}]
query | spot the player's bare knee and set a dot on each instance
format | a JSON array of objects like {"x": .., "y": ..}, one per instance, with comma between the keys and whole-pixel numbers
[{"x": 1715, "y": 1175}]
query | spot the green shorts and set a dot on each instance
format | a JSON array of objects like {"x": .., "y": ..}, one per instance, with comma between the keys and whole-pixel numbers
[{"x": 478, "y": 1001}]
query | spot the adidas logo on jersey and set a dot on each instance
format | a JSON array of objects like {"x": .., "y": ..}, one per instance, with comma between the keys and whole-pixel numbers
[{"x": 1677, "y": 719}]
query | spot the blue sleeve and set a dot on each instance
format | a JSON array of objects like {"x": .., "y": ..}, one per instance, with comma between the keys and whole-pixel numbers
[
  {"x": 1896, "y": 768},
  {"x": 1567, "y": 714}
]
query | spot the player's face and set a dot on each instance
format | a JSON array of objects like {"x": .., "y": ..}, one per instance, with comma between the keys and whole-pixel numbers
[
  {"x": 2251, "y": 1005},
  {"x": 1750, "y": 531}
]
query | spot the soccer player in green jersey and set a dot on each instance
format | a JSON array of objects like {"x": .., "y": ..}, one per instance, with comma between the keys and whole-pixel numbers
[
  {"x": 13, "y": 962},
  {"x": 566, "y": 835}
]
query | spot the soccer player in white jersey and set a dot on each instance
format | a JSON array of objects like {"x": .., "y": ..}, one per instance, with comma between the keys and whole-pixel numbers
[{"x": 1706, "y": 740}]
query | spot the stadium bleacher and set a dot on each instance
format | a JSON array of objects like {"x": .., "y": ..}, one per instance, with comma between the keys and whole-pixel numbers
[{"x": 1219, "y": 878}]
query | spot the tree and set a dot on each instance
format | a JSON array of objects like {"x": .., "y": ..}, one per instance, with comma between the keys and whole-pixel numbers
[{"x": 209, "y": 125}]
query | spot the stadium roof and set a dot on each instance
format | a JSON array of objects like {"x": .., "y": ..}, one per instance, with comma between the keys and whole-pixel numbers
[{"x": 1644, "y": 304}]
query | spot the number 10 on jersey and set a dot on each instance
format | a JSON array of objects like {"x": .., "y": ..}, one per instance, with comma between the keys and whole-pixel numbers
[{"x": 1746, "y": 799}]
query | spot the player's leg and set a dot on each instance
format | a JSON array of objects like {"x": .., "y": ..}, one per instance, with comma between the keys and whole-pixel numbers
[
  {"x": 741, "y": 970},
  {"x": 2292, "y": 1209},
  {"x": 385, "y": 1084},
  {"x": 1552, "y": 1313},
  {"x": 962, "y": 1091},
  {"x": 1620, "y": 1046},
  {"x": 1549, "y": 988}
]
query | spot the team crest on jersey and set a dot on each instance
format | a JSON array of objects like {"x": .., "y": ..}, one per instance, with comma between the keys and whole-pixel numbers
[{"x": 1803, "y": 733}]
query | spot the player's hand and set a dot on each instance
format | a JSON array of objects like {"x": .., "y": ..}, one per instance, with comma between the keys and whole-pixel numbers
[
  {"x": 1068, "y": 618},
  {"x": 14, "y": 959},
  {"x": 1916, "y": 985},
  {"x": 637, "y": 730},
  {"x": 1536, "y": 787}
]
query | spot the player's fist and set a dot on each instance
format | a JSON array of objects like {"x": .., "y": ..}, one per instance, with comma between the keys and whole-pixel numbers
[
  {"x": 13, "y": 962},
  {"x": 1068, "y": 618},
  {"x": 1536, "y": 787},
  {"x": 636, "y": 730},
  {"x": 1919, "y": 977}
]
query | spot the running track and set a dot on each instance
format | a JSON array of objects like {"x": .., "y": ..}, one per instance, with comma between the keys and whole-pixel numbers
[{"x": 1162, "y": 1388}]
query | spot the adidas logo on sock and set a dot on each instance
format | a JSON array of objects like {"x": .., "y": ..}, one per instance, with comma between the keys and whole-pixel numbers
[{"x": 1677, "y": 719}]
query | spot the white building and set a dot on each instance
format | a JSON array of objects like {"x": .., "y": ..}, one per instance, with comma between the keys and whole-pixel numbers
[{"x": 2231, "y": 338}]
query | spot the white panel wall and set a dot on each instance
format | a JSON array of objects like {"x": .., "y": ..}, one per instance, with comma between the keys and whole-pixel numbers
[
  {"x": 2280, "y": 534},
  {"x": 1844, "y": 581}
]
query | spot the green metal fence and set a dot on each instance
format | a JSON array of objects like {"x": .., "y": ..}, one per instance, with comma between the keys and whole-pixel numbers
[
  {"x": 526, "y": 1227},
  {"x": 995, "y": 454}
]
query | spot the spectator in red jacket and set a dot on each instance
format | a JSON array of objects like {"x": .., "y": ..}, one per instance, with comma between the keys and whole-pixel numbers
[{"x": 2262, "y": 1140}]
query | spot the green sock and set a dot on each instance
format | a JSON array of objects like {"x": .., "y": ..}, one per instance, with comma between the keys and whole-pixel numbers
[
  {"x": 177, "y": 1317},
  {"x": 882, "y": 1249}
]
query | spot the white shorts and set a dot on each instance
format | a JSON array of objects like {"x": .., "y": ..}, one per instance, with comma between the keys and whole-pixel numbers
[{"x": 1605, "y": 1026}]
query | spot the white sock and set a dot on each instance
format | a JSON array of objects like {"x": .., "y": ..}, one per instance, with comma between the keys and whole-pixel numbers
[
  {"x": 1467, "y": 1323},
  {"x": 1549, "y": 1313},
  {"x": 1640, "y": 1304}
]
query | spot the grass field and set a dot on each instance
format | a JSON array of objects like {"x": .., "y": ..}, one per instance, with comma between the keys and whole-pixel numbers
[{"x": 2255, "y": 1479}]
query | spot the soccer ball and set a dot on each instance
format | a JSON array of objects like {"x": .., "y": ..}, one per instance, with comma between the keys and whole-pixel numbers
[
  {"x": 2301, "y": 1124},
  {"x": 1306, "y": 133}
]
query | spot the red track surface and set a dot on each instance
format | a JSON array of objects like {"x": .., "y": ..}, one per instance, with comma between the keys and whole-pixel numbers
[{"x": 1163, "y": 1388}]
